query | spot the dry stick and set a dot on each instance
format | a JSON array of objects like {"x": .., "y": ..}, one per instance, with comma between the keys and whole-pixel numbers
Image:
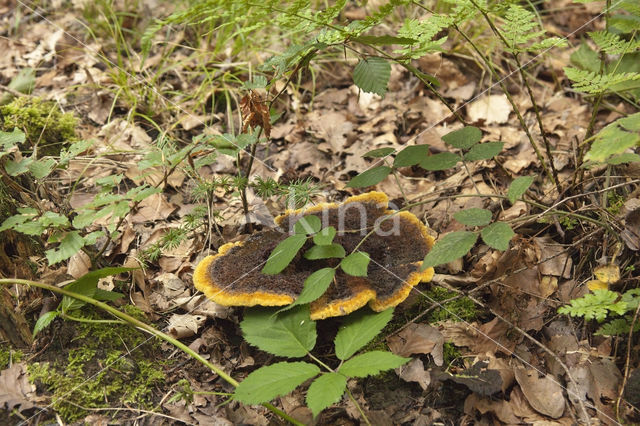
[
  {"x": 626, "y": 363},
  {"x": 541, "y": 346},
  {"x": 134, "y": 322}
]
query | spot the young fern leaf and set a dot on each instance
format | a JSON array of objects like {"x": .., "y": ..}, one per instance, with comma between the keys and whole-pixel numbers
[
  {"x": 519, "y": 31},
  {"x": 592, "y": 83},
  {"x": 613, "y": 44}
]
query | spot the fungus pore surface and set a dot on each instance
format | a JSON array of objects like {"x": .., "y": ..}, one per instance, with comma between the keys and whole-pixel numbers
[{"x": 396, "y": 247}]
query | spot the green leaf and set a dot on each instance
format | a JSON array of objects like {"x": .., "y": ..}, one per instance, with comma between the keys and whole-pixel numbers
[
  {"x": 356, "y": 264},
  {"x": 497, "y": 235},
  {"x": 307, "y": 225},
  {"x": 371, "y": 363},
  {"x": 463, "y": 138},
  {"x": 15, "y": 168},
  {"x": 69, "y": 245},
  {"x": 370, "y": 177},
  {"x": 411, "y": 155},
  {"x": 44, "y": 321},
  {"x": 384, "y": 40},
  {"x": 473, "y": 217},
  {"x": 283, "y": 254},
  {"x": 615, "y": 138},
  {"x": 325, "y": 391},
  {"x": 518, "y": 187},
  {"x": 325, "y": 236},
  {"x": 8, "y": 140},
  {"x": 484, "y": 151},
  {"x": 41, "y": 168},
  {"x": 372, "y": 75},
  {"x": 291, "y": 333},
  {"x": 87, "y": 285},
  {"x": 627, "y": 157},
  {"x": 107, "y": 296},
  {"x": 267, "y": 383},
  {"x": 440, "y": 161},
  {"x": 379, "y": 153},
  {"x": 314, "y": 286},
  {"x": 325, "y": 252},
  {"x": 358, "y": 330},
  {"x": 450, "y": 247}
]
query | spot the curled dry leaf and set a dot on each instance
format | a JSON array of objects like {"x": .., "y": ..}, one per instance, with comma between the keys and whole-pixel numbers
[
  {"x": 418, "y": 339},
  {"x": 414, "y": 372},
  {"x": 543, "y": 393},
  {"x": 15, "y": 388}
]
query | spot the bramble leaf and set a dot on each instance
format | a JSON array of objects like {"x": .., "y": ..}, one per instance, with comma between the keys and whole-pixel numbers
[
  {"x": 497, "y": 235},
  {"x": 325, "y": 391},
  {"x": 356, "y": 264},
  {"x": 291, "y": 333},
  {"x": 267, "y": 383},
  {"x": 325, "y": 252},
  {"x": 370, "y": 177},
  {"x": 325, "y": 236},
  {"x": 411, "y": 155},
  {"x": 440, "y": 161},
  {"x": 473, "y": 217},
  {"x": 372, "y": 75},
  {"x": 283, "y": 254},
  {"x": 371, "y": 363},
  {"x": 451, "y": 247},
  {"x": 463, "y": 138},
  {"x": 518, "y": 187},
  {"x": 358, "y": 330}
]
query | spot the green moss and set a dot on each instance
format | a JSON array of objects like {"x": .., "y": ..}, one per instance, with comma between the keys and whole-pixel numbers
[
  {"x": 42, "y": 123},
  {"x": 8, "y": 356},
  {"x": 461, "y": 309},
  {"x": 108, "y": 366},
  {"x": 450, "y": 353}
]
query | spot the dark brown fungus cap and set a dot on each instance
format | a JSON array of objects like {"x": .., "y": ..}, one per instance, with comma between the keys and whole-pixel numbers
[{"x": 233, "y": 276}]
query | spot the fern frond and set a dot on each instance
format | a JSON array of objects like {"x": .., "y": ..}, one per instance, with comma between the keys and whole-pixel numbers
[
  {"x": 592, "y": 83},
  {"x": 613, "y": 44},
  {"x": 618, "y": 326},
  {"x": 596, "y": 305},
  {"x": 423, "y": 32}
]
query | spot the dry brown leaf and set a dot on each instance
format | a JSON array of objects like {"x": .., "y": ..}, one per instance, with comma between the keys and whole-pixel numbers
[
  {"x": 418, "y": 339},
  {"x": 414, "y": 372},
  {"x": 79, "y": 264},
  {"x": 543, "y": 393},
  {"x": 501, "y": 408},
  {"x": 15, "y": 388},
  {"x": 153, "y": 208},
  {"x": 491, "y": 109},
  {"x": 186, "y": 325}
]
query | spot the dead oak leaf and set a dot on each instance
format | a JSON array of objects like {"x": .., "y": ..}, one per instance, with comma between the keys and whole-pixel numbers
[
  {"x": 15, "y": 388},
  {"x": 418, "y": 339},
  {"x": 544, "y": 394}
]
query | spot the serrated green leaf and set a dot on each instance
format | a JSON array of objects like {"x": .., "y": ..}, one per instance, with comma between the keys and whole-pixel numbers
[
  {"x": 625, "y": 158},
  {"x": 440, "y": 161},
  {"x": 8, "y": 140},
  {"x": 497, "y": 235},
  {"x": 69, "y": 245},
  {"x": 372, "y": 75},
  {"x": 473, "y": 217},
  {"x": 356, "y": 264},
  {"x": 463, "y": 138},
  {"x": 449, "y": 248},
  {"x": 358, "y": 330},
  {"x": 484, "y": 151},
  {"x": 267, "y": 383},
  {"x": 384, "y": 40},
  {"x": 411, "y": 155},
  {"x": 518, "y": 187},
  {"x": 370, "y": 177},
  {"x": 283, "y": 254},
  {"x": 307, "y": 225},
  {"x": 15, "y": 168},
  {"x": 44, "y": 321},
  {"x": 379, "y": 153},
  {"x": 371, "y": 363},
  {"x": 325, "y": 236},
  {"x": 41, "y": 168},
  {"x": 325, "y": 391},
  {"x": 314, "y": 286},
  {"x": 325, "y": 252},
  {"x": 291, "y": 333},
  {"x": 615, "y": 138}
]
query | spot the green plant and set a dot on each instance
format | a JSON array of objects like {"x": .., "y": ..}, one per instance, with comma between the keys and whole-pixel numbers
[
  {"x": 292, "y": 334},
  {"x": 460, "y": 309},
  {"x": 602, "y": 304},
  {"x": 9, "y": 356}
]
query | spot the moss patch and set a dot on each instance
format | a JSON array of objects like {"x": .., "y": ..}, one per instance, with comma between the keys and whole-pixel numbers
[
  {"x": 462, "y": 309},
  {"x": 9, "y": 356},
  {"x": 106, "y": 365},
  {"x": 42, "y": 122}
]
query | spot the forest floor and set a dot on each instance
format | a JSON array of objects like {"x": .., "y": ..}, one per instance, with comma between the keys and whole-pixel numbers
[{"x": 486, "y": 341}]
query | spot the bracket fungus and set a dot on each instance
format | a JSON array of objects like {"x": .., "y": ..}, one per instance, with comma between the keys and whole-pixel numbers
[{"x": 396, "y": 242}]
